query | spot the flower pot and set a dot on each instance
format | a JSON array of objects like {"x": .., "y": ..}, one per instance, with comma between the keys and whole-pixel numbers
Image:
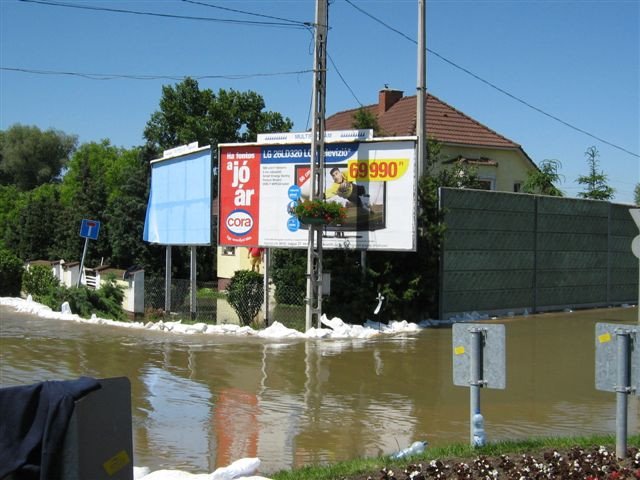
[{"x": 313, "y": 220}]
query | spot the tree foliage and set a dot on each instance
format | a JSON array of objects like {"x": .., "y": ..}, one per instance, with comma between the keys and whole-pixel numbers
[
  {"x": 364, "y": 119},
  {"x": 595, "y": 181},
  {"x": 30, "y": 157},
  {"x": 39, "y": 280},
  {"x": 543, "y": 180},
  {"x": 188, "y": 114},
  {"x": 636, "y": 194},
  {"x": 10, "y": 273},
  {"x": 31, "y": 225}
]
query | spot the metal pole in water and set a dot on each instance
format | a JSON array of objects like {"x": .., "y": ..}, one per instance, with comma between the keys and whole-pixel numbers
[
  {"x": 167, "y": 280},
  {"x": 193, "y": 271},
  {"x": 475, "y": 380},
  {"x": 622, "y": 391},
  {"x": 265, "y": 287},
  {"x": 84, "y": 253}
]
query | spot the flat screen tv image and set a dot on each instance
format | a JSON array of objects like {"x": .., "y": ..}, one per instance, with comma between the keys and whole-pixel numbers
[{"x": 365, "y": 201}]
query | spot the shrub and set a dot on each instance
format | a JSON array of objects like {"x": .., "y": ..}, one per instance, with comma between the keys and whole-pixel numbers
[
  {"x": 39, "y": 280},
  {"x": 10, "y": 274},
  {"x": 245, "y": 294},
  {"x": 104, "y": 302}
]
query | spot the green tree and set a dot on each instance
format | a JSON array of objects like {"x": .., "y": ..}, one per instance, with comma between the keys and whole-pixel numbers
[
  {"x": 10, "y": 196},
  {"x": 542, "y": 180},
  {"x": 32, "y": 223},
  {"x": 125, "y": 215},
  {"x": 10, "y": 274},
  {"x": 595, "y": 181},
  {"x": 30, "y": 157},
  {"x": 636, "y": 194},
  {"x": 188, "y": 114},
  {"x": 364, "y": 119},
  {"x": 96, "y": 174}
]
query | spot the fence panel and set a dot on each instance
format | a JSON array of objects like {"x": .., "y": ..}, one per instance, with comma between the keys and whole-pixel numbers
[
  {"x": 286, "y": 303},
  {"x": 510, "y": 252}
]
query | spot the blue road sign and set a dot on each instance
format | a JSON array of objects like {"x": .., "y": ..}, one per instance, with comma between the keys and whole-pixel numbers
[{"x": 90, "y": 229}]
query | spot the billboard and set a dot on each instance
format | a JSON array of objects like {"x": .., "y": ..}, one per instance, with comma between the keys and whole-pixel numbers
[
  {"x": 179, "y": 208},
  {"x": 375, "y": 180}
]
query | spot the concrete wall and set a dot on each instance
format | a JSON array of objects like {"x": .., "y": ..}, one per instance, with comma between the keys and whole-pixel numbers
[{"x": 228, "y": 263}]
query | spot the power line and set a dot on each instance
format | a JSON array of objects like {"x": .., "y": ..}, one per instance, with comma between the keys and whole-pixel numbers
[
  {"x": 167, "y": 15},
  {"x": 343, "y": 80},
  {"x": 114, "y": 76},
  {"x": 296, "y": 22},
  {"x": 486, "y": 82}
]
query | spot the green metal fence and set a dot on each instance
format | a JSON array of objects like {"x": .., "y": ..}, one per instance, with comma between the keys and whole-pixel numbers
[{"x": 514, "y": 252}]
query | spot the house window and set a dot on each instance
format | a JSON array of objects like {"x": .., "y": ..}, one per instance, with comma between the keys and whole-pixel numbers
[
  {"x": 229, "y": 251},
  {"x": 487, "y": 183},
  {"x": 517, "y": 187}
]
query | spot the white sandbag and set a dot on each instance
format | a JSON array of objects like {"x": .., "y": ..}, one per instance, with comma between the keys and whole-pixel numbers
[{"x": 240, "y": 468}]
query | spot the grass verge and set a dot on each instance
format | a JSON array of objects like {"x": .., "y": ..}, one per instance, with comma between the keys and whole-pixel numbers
[{"x": 363, "y": 467}]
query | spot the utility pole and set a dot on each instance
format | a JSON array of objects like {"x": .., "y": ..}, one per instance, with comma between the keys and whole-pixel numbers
[
  {"x": 314, "y": 251},
  {"x": 421, "y": 131}
]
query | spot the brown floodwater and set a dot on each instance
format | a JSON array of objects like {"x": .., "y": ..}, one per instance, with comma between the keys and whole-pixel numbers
[{"x": 202, "y": 401}]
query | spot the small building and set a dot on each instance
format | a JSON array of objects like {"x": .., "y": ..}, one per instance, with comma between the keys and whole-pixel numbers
[
  {"x": 502, "y": 164},
  {"x": 131, "y": 280}
]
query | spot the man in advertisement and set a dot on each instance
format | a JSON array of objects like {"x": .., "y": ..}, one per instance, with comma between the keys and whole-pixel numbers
[{"x": 343, "y": 188}]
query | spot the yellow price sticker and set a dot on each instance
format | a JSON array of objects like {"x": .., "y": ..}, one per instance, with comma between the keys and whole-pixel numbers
[
  {"x": 383, "y": 170},
  {"x": 604, "y": 338},
  {"x": 458, "y": 350},
  {"x": 116, "y": 463}
]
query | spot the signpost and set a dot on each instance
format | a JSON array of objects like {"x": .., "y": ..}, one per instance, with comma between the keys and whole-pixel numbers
[
  {"x": 618, "y": 370},
  {"x": 478, "y": 361},
  {"x": 89, "y": 230}
]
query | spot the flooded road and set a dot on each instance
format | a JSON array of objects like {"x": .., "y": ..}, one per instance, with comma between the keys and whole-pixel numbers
[{"x": 201, "y": 401}]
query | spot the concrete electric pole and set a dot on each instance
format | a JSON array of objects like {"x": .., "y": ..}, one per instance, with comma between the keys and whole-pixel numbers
[
  {"x": 314, "y": 252},
  {"x": 421, "y": 130}
]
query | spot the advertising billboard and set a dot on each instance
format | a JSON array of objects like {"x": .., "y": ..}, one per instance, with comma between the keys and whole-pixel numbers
[
  {"x": 375, "y": 180},
  {"x": 179, "y": 207}
]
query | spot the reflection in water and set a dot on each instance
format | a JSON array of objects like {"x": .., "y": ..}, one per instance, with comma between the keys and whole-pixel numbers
[
  {"x": 201, "y": 401},
  {"x": 177, "y": 423}
]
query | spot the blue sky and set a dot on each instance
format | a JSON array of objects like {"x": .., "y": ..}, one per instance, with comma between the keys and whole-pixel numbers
[{"x": 579, "y": 61}]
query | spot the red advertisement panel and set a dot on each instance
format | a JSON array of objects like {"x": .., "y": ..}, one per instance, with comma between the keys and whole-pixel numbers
[{"x": 239, "y": 196}]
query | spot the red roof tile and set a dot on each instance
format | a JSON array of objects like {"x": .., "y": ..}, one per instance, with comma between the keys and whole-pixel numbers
[{"x": 444, "y": 122}]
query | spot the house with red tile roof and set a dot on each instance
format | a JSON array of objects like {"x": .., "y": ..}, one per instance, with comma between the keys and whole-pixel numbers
[{"x": 502, "y": 164}]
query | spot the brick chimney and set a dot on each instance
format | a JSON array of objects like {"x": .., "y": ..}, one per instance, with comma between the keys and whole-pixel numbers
[{"x": 387, "y": 98}]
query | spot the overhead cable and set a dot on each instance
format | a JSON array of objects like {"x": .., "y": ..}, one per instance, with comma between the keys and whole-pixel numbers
[
  {"x": 204, "y": 4},
  {"x": 487, "y": 82},
  {"x": 114, "y": 76},
  {"x": 343, "y": 80},
  {"x": 167, "y": 15}
]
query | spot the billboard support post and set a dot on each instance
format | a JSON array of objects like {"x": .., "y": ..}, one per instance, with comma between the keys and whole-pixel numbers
[
  {"x": 314, "y": 249},
  {"x": 193, "y": 270},
  {"x": 265, "y": 286},
  {"x": 167, "y": 280}
]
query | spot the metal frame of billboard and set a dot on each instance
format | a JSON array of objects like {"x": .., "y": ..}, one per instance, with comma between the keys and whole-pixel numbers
[{"x": 257, "y": 184}]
